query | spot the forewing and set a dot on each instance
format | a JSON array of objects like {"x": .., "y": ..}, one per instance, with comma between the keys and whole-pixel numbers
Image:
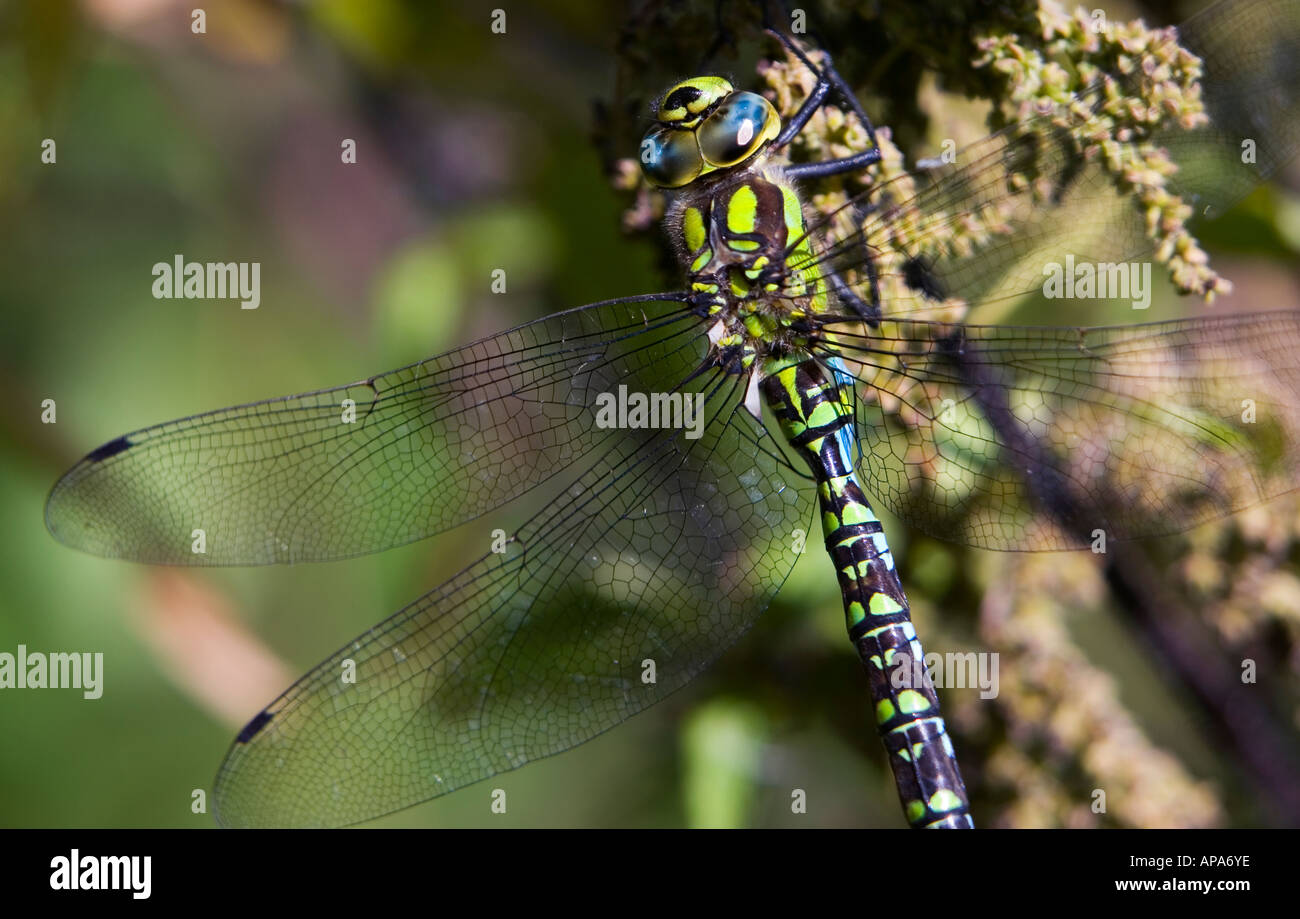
[{"x": 370, "y": 465}]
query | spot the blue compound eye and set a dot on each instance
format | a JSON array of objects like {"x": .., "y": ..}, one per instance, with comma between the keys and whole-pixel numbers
[
  {"x": 670, "y": 157},
  {"x": 736, "y": 130}
]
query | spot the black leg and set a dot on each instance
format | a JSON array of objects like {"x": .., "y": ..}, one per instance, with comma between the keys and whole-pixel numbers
[
  {"x": 832, "y": 76},
  {"x": 868, "y": 312},
  {"x": 869, "y": 309},
  {"x": 828, "y": 79},
  {"x": 815, "y": 100},
  {"x": 834, "y": 167}
]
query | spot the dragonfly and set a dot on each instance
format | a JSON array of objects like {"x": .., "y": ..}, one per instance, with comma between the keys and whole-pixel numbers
[{"x": 818, "y": 358}]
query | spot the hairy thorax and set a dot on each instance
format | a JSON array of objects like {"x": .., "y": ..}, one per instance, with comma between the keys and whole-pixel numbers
[{"x": 750, "y": 265}]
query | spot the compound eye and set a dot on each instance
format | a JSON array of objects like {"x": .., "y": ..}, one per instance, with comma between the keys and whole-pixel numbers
[
  {"x": 670, "y": 158},
  {"x": 737, "y": 129}
]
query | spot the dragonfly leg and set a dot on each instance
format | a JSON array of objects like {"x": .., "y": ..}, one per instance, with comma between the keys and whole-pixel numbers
[
  {"x": 828, "y": 80},
  {"x": 870, "y": 312},
  {"x": 868, "y": 309}
]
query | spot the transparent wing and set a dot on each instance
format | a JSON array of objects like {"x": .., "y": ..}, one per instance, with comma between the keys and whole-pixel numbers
[
  {"x": 1035, "y": 438},
  {"x": 370, "y": 465},
  {"x": 982, "y": 230},
  {"x": 658, "y": 552},
  {"x": 970, "y": 433}
]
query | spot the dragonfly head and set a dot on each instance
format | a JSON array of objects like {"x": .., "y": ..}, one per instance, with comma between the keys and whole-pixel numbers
[{"x": 704, "y": 125}]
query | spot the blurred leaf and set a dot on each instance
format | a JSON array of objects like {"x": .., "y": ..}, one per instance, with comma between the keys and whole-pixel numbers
[
  {"x": 419, "y": 301},
  {"x": 722, "y": 745},
  {"x": 48, "y": 32}
]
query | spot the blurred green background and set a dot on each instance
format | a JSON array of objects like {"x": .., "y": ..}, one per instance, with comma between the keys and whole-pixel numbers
[{"x": 475, "y": 152}]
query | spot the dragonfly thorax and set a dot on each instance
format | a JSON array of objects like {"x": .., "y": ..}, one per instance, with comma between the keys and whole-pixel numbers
[
  {"x": 742, "y": 242},
  {"x": 736, "y": 222}
]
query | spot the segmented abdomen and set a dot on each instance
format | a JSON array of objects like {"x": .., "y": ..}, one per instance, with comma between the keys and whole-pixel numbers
[{"x": 816, "y": 416}]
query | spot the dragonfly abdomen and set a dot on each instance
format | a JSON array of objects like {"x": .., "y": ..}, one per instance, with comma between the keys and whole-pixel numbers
[{"x": 816, "y": 417}]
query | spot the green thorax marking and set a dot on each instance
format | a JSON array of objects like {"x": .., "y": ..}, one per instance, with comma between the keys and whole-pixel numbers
[{"x": 734, "y": 234}]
